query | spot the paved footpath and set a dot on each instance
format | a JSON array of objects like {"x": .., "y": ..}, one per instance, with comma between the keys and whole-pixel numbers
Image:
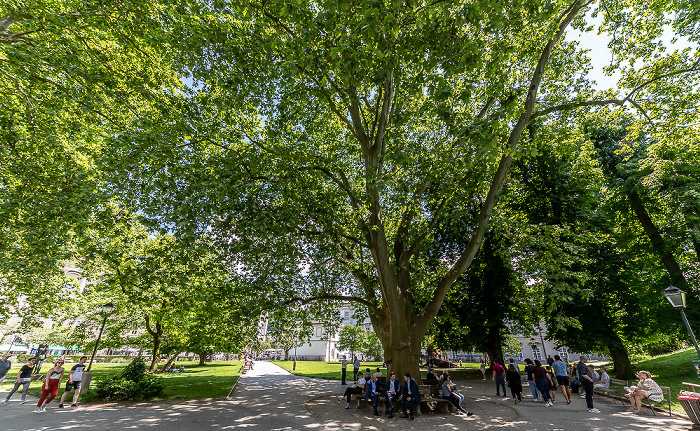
[{"x": 269, "y": 398}]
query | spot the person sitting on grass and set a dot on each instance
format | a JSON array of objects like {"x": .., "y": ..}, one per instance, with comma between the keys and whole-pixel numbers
[
  {"x": 410, "y": 397},
  {"x": 646, "y": 388},
  {"x": 373, "y": 386},
  {"x": 357, "y": 388}
]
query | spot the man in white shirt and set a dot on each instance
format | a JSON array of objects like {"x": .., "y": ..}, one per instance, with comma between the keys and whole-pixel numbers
[
  {"x": 357, "y": 388},
  {"x": 344, "y": 364},
  {"x": 604, "y": 380}
]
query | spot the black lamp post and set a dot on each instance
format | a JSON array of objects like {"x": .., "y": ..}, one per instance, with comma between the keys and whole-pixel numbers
[
  {"x": 107, "y": 310},
  {"x": 677, "y": 299},
  {"x": 297, "y": 329}
]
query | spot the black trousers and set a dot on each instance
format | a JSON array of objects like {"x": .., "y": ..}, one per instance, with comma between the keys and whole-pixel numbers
[
  {"x": 588, "y": 387},
  {"x": 344, "y": 371},
  {"x": 517, "y": 391},
  {"x": 350, "y": 391},
  {"x": 354, "y": 373},
  {"x": 408, "y": 405}
]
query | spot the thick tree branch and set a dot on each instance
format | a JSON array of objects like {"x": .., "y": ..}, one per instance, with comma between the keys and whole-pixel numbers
[
  {"x": 327, "y": 297},
  {"x": 433, "y": 306}
]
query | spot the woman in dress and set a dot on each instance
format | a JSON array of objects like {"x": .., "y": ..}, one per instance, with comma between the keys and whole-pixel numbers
[
  {"x": 646, "y": 388},
  {"x": 49, "y": 389}
]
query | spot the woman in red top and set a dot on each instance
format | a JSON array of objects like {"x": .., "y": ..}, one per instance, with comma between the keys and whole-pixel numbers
[{"x": 49, "y": 389}]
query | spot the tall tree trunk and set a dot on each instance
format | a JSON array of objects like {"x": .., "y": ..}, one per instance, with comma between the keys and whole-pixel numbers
[
  {"x": 493, "y": 345},
  {"x": 156, "y": 332},
  {"x": 140, "y": 354},
  {"x": 657, "y": 240},
  {"x": 202, "y": 357},
  {"x": 286, "y": 354},
  {"x": 621, "y": 360}
]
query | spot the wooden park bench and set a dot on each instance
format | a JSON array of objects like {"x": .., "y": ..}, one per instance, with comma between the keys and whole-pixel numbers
[
  {"x": 616, "y": 391},
  {"x": 666, "y": 393},
  {"x": 431, "y": 399}
]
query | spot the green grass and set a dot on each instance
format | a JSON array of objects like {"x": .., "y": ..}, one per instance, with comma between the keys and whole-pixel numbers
[
  {"x": 213, "y": 380},
  {"x": 332, "y": 370},
  {"x": 326, "y": 370},
  {"x": 672, "y": 370}
]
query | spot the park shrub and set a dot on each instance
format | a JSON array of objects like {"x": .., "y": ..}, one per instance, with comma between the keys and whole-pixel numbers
[
  {"x": 133, "y": 383},
  {"x": 118, "y": 360}
]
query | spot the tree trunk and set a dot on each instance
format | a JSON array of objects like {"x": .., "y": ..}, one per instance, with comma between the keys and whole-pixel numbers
[
  {"x": 657, "y": 240},
  {"x": 140, "y": 354},
  {"x": 156, "y": 353},
  {"x": 171, "y": 360},
  {"x": 286, "y": 354},
  {"x": 156, "y": 332},
  {"x": 202, "y": 357},
  {"x": 621, "y": 360},
  {"x": 493, "y": 345}
]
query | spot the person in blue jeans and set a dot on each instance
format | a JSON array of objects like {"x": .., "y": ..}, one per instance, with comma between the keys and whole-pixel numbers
[
  {"x": 24, "y": 378},
  {"x": 530, "y": 381},
  {"x": 499, "y": 376},
  {"x": 543, "y": 382}
]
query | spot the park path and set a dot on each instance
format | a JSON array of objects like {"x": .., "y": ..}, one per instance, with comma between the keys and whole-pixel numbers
[{"x": 269, "y": 398}]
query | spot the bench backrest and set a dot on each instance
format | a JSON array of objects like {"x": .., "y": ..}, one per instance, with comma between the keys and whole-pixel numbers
[{"x": 618, "y": 382}]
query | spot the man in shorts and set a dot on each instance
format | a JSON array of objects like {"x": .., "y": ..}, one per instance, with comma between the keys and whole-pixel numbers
[
  {"x": 74, "y": 378},
  {"x": 562, "y": 376}
]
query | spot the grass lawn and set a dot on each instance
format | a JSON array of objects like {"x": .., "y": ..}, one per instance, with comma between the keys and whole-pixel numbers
[
  {"x": 213, "y": 380},
  {"x": 672, "y": 370},
  {"x": 332, "y": 370},
  {"x": 326, "y": 370}
]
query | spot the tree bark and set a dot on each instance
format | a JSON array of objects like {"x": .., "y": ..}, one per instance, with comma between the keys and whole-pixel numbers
[
  {"x": 202, "y": 357},
  {"x": 621, "y": 360},
  {"x": 657, "y": 240},
  {"x": 156, "y": 332},
  {"x": 493, "y": 345}
]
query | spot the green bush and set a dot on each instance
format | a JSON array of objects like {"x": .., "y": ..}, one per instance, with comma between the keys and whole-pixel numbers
[
  {"x": 118, "y": 360},
  {"x": 132, "y": 384}
]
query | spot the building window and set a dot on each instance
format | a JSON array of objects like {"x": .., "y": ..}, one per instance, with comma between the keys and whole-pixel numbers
[
  {"x": 536, "y": 352},
  {"x": 564, "y": 354}
]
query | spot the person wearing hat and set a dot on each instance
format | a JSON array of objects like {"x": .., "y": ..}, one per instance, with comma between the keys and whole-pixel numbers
[{"x": 5, "y": 366}]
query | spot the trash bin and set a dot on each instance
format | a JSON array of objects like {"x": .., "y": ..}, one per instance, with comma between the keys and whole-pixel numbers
[
  {"x": 691, "y": 405},
  {"x": 696, "y": 365}
]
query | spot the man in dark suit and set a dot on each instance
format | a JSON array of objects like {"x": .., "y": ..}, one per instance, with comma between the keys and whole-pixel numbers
[
  {"x": 410, "y": 397},
  {"x": 393, "y": 393},
  {"x": 373, "y": 386}
]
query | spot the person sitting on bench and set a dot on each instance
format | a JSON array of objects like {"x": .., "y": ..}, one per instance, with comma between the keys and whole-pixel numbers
[
  {"x": 373, "y": 386},
  {"x": 357, "y": 388},
  {"x": 410, "y": 397},
  {"x": 393, "y": 393},
  {"x": 430, "y": 375},
  {"x": 449, "y": 392}
]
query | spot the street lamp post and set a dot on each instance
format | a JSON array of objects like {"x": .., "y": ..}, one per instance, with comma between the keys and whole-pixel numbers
[
  {"x": 296, "y": 342},
  {"x": 677, "y": 299},
  {"x": 106, "y": 311}
]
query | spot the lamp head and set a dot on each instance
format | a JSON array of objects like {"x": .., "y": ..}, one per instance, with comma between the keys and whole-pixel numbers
[
  {"x": 675, "y": 296},
  {"x": 108, "y": 308}
]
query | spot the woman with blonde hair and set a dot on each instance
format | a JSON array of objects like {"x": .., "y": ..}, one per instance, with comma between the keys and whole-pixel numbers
[{"x": 646, "y": 388}]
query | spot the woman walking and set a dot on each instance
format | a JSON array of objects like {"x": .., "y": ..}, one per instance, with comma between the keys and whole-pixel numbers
[
  {"x": 24, "y": 377},
  {"x": 49, "y": 389},
  {"x": 542, "y": 381},
  {"x": 514, "y": 383}
]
